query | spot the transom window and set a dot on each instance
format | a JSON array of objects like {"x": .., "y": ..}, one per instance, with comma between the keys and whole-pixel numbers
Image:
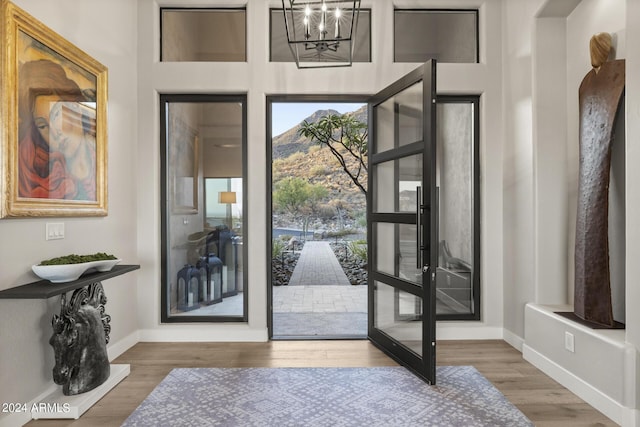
[
  {"x": 279, "y": 47},
  {"x": 444, "y": 35},
  {"x": 216, "y": 35}
]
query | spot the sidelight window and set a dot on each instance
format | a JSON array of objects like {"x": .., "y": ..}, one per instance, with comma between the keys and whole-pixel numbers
[{"x": 203, "y": 205}]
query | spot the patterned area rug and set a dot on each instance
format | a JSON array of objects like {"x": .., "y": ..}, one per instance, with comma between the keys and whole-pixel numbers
[{"x": 385, "y": 396}]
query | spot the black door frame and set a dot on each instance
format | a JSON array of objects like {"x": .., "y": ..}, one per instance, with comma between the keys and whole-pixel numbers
[
  {"x": 422, "y": 365},
  {"x": 270, "y": 100}
]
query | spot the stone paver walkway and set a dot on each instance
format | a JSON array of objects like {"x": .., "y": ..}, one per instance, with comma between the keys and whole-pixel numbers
[
  {"x": 318, "y": 266},
  {"x": 320, "y": 311},
  {"x": 319, "y": 300}
]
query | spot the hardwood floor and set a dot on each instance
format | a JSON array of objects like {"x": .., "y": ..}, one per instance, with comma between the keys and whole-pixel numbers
[{"x": 540, "y": 398}]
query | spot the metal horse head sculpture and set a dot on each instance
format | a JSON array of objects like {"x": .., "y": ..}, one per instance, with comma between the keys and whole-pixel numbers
[{"x": 79, "y": 340}]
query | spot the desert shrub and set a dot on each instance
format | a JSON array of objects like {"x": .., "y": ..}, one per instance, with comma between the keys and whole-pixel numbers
[
  {"x": 277, "y": 247},
  {"x": 277, "y": 169},
  {"x": 361, "y": 219},
  {"x": 319, "y": 170},
  {"x": 277, "y": 165},
  {"x": 317, "y": 192},
  {"x": 293, "y": 194},
  {"x": 296, "y": 157},
  {"x": 359, "y": 250},
  {"x": 325, "y": 211},
  {"x": 340, "y": 233}
]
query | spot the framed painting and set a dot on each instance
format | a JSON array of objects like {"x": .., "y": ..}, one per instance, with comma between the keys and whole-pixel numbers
[
  {"x": 54, "y": 115},
  {"x": 183, "y": 165}
]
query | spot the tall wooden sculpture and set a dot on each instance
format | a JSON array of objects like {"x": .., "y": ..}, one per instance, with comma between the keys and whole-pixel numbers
[{"x": 599, "y": 96}]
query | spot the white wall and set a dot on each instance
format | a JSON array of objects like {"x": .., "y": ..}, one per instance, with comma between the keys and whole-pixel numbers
[
  {"x": 107, "y": 32},
  {"x": 632, "y": 226},
  {"x": 519, "y": 234},
  {"x": 259, "y": 78},
  {"x": 632, "y": 90}
]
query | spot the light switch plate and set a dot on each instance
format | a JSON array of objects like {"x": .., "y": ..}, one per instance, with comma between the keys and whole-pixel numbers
[
  {"x": 569, "y": 343},
  {"x": 54, "y": 231}
]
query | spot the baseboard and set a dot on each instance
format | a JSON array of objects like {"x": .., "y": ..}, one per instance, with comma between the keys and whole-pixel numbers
[
  {"x": 513, "y": 340},
  {"x": 21, "y": 418},
  {"x": 187, "y": 334},
  {"x": 58, "y": 406},
  {"x": 631, "y": 418},
  {"x": 116, "y": 349},
  {"x": 454, "y": 331},
  {"x": 576, "y": 385}
]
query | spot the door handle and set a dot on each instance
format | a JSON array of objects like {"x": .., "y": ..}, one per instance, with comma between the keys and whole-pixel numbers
[{"x": 418, "y": 227}]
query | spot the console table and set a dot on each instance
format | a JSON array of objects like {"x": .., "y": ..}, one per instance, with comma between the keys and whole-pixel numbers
[
  {"x": 43, "y": 289},
  {"x": 59, "y": 404}
]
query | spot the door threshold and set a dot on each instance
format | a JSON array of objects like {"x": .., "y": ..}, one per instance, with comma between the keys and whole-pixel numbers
[{"x": 317, "y": 337}]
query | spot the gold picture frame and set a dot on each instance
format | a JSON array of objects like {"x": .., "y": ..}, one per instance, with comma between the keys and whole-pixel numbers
[{"x": 54, "y": 111}]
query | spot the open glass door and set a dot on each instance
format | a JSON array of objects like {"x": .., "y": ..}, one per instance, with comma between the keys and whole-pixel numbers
[{"x": 402, "y": 224}]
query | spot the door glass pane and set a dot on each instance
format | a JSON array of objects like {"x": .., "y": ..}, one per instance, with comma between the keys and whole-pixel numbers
[
  {"x": 399, "y": 315},
  {"x": 203, "y": 210},
  {"x": 203, "y": 35},
  {"x": 444, "y": 35},
  {"x": 396, "y": 251},
  {"x": 455, "y": 142},
  {"x": 280, "y": 51},
  {"x": 398, "y": 120},
  {"x": 395, "y": 183}
]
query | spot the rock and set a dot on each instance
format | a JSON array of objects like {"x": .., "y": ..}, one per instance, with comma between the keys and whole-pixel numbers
[{"x": 282, "y": 268}]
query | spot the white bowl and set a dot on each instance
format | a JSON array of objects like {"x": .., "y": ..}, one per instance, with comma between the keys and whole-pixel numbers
[
  {"x": 69, "y": 272},
  {"x": 105, "y": 265}
]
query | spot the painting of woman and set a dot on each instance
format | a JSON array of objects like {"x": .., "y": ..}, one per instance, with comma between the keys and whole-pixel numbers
[
  {"x": 54, "y": 114},
  {"x": 57, "y": 142}
]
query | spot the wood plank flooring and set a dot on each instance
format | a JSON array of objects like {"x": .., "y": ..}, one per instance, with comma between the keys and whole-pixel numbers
[{"x": 540, "y": 398}]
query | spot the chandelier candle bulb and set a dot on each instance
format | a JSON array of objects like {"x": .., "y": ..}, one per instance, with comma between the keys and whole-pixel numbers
[
  {"x": 307, "y": 13},
  {"x": 337, "y": 36},
  {"x": 323, "y": 21}
]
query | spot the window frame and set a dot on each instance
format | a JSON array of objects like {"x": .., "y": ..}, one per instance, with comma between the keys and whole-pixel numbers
[
  {"x": 477, "y": 176},
  {"x": 165, "y": 315}
]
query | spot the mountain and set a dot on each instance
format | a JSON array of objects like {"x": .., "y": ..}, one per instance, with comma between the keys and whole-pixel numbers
[
  {"x": 297, "y": 156},
  {"x": 291, "y": 141}
]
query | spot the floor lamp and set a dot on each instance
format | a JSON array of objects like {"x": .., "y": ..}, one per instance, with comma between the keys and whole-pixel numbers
[{"x": 228, "y": 198}]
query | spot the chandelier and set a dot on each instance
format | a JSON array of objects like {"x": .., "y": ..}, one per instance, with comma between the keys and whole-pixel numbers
[{"x": 321, "y": 33}]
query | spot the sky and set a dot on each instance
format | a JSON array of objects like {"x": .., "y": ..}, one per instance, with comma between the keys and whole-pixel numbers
[{"x": 286, "y": 115}]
